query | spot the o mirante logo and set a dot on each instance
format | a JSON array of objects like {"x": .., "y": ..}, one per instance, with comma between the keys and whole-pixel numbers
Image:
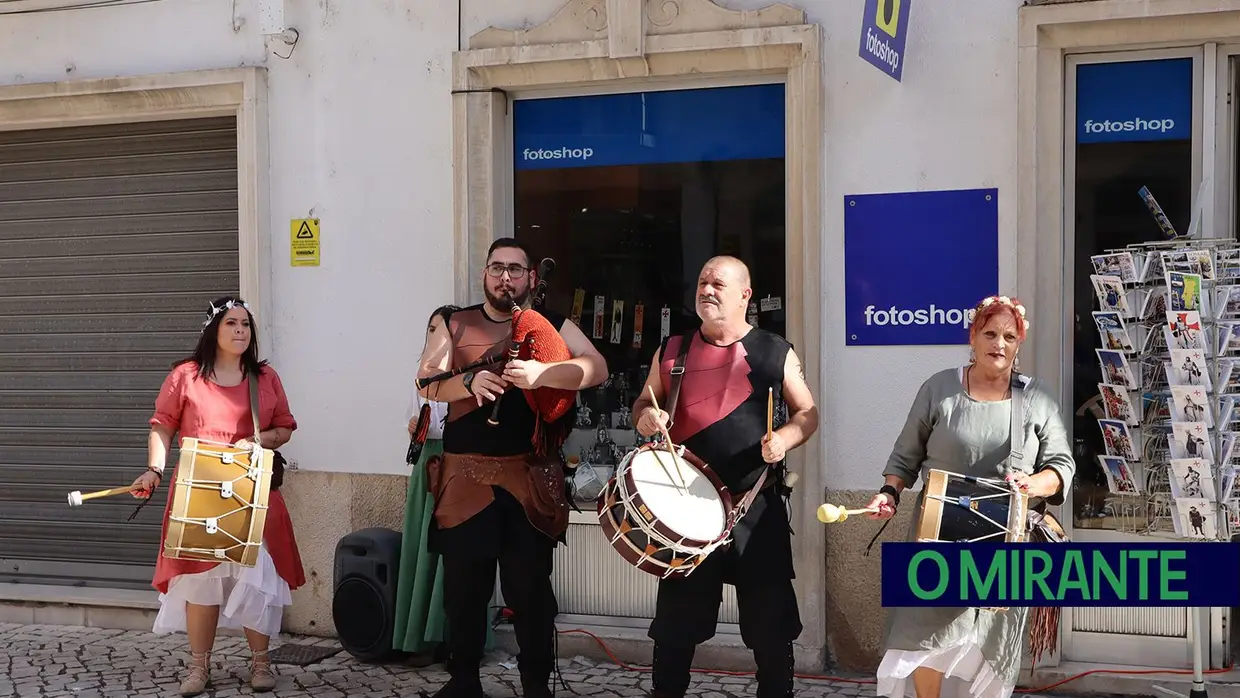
[{"x": 1061, "y": 574}]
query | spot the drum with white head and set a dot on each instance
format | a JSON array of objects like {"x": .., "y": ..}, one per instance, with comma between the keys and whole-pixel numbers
[{"x": 664, "y": 512}]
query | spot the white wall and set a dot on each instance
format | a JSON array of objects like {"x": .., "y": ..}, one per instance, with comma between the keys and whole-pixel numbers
[
  {"x": 361, "y": 138},
  {"x": 949, "y": 124}
]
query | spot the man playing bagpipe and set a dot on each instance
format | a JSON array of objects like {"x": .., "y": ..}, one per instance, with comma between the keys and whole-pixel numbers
[{"x": 499, "y": 485}]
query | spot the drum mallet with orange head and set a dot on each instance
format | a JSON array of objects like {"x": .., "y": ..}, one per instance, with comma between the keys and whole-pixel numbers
[
  {"x": 830, "y": 513},
  {"x": 76, "y": 498}
]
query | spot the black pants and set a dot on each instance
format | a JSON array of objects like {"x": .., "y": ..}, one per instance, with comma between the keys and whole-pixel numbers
[
  {"x": 499, "y": 535},
  {"x": 759, "y": 565}
]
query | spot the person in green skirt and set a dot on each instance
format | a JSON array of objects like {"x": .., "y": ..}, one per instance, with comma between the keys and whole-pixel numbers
[{"x": 420, "y": 619}]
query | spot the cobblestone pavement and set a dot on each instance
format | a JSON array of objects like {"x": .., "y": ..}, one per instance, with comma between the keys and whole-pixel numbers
[{"x": 51, "y": 661}]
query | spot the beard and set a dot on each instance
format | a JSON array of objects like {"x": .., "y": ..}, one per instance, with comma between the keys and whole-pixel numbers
[{"x": 502, "y": 304}]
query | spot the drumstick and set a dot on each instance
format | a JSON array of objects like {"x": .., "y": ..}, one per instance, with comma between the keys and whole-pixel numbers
[
  {"x": 667, "y": 439},
  {"x": 770, "y": 412},
  {"x": 76, "y": 498},
  {"x": 830, "y": 513}
]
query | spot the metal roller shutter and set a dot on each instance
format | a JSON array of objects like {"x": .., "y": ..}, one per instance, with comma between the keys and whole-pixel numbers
[{"x": 112, "y": 241}]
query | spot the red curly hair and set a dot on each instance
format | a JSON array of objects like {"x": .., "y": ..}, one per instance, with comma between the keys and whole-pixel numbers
[{"x": 997, "y": 305}]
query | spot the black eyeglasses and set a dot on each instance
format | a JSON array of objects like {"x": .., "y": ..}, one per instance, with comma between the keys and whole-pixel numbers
[{"x": 515, "y": 271}]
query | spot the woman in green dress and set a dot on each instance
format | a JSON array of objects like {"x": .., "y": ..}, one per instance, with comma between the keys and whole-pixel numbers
[
  {"x": 420, "y": 619},
  {"x": 960, "y": 422},
  {"x": 419, "y": 590}
]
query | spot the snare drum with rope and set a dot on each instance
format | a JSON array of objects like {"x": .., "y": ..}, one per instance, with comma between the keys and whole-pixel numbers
[{"x": 219, "y": 503}]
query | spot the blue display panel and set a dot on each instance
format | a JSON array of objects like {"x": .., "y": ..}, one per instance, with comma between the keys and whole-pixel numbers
[
  {"x": 1134, "y": 101},
  {"x": 726, "y": 123},
  {"x": 917, "y": 263}
]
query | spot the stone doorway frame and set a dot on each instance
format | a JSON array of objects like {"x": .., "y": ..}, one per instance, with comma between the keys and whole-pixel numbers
[
  {"x": 1049, "y": 32},
  {"x": 627, "y": 45}
]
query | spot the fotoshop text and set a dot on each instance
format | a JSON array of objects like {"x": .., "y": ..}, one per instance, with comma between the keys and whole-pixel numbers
[
  {"x": 1126, "y": 125},
  {"x": 557, "y": 153},
  {"x": 933, "y": 315},
  {"x": 881, "y": 50}
]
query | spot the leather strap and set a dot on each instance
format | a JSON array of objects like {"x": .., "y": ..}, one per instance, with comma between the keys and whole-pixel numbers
[
  {"x": 253, "y": 381},
  {"x": 678, "y": 372},
  {"x": 673, "y": 394},
  {"x": 738, "y": 512},
  {"x": 1017, "y": 428}
]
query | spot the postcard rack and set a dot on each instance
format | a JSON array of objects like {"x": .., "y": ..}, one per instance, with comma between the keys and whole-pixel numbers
[{"x": 1169, "y": 321}]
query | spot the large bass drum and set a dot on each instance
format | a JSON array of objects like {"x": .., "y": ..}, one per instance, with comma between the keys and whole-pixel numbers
[{"x": 663, "y": 513}]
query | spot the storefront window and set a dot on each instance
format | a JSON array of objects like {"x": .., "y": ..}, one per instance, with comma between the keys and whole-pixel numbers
[
  {"x": 630, "y": 194},
  {"x": 1133, "y": 146}
]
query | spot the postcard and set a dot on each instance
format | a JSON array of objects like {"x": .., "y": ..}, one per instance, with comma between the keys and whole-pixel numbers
[
  {"x": 1191, "y": 404},
  {"x": 1191, "y": 477},
  {"x": 1115, "y": 368},
  {"x": 1118, "y": 439},
  {"x": 1117, "y": 404},
  {"x": 1113, "y": 331},
  {"x": 1183, "y": 330},
  {"x": 1111, "y": 294},
  {"x": 1191, "y": 440},
  {"x": 1184, "y": 291},
  {"x": 1119, "y": 264},
  {"x": 1188, "y": 367},
  {"x": 1197, "y": 518},
  {"x": 1120, "y": 479}
]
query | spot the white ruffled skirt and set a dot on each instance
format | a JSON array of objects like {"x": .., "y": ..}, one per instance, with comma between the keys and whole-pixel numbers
[
  {"x": 967, "y": 674},
  {"x": 248, "y": 597}
]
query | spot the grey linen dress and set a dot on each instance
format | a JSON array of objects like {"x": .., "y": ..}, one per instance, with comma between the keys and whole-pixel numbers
[{"x": 948, "y": 430}]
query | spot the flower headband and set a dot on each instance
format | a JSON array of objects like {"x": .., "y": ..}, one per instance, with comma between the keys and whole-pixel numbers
[
  {"x": 1004, "y": 300},
  {"x": 223, "y": 308}
]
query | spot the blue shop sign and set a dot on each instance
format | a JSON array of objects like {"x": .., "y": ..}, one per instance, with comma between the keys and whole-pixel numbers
[
  {"x": 916, "y": 264},
  {"x": 638, "y": 128},
  {"x": 1134, "y": 101}
]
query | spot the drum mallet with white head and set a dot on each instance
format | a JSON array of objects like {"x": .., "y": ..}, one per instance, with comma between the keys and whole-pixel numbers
[
  {"x": 76, "y": 498},
  {"x": 830, "y": 513}
]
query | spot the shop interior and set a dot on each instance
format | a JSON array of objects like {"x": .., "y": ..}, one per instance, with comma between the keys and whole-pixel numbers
[
  {"x": 629, "y": 241},
  {"x": 1111, "y": 214}
]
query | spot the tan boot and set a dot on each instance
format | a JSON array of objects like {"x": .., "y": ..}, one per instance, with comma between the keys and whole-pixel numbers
[
  {"x": 199, "y": 677},
  {"x": 262, "y": 678}
]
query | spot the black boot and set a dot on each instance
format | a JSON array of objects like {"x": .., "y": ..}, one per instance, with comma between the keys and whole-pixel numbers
[
  {"x": 534, "y": 688},
  {"x": 458, "y": 689},
  {"x": 464, "y": 682},
  {"x": 535, "y": 675},
  {"x": 670, "y": 675},
  {"x": 775, "y": 671}
]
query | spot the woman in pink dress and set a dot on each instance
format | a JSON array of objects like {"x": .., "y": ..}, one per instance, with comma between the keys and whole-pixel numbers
[{"x": 206, "y": 396}]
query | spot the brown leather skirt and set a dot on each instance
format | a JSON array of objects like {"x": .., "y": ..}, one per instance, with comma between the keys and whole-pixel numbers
[{"x": 461, "y": 485}]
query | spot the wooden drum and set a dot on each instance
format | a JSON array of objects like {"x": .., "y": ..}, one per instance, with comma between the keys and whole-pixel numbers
[
  {"x": 219, "y": 503},
  {"x": 964, "y": 509}
]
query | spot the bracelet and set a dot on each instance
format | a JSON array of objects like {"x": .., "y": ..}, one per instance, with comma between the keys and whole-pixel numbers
[
  {"x": 888, "y": 489},
  {"x": 157, "y": 471}
]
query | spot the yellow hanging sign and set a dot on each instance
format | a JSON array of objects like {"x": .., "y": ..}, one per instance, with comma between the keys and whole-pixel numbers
[{"x": 304, "y": 242}]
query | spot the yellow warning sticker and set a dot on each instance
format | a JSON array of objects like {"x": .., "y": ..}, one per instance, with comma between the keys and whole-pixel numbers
[{"x": 304, "y": 242}]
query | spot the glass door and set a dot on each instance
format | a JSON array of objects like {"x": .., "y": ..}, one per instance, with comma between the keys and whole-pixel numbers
[
  {"x": 631, "y": 193},
  {"x": 1133, "y": 146}
]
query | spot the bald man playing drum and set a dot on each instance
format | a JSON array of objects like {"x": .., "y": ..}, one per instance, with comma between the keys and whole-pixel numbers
[{"x": 721, "y": 418}]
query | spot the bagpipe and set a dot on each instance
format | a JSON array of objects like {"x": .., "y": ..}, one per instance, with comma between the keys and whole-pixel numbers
[{"x": 531, "y": 337}]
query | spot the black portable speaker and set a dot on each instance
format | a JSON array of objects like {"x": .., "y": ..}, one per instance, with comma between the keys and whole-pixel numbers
[{"x": 364, "y": 597}]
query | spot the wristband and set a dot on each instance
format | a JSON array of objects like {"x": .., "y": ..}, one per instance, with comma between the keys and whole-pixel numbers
[
  {"x": 157, "y": 471},
  {"x": 888, "y": 489}
]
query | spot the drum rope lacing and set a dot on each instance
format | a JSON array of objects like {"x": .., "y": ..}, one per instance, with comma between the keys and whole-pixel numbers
[
  {"x": 965, "y": 502},
  {"x": 626, "y": 499},
  {"x": 211, "y": 524}
]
